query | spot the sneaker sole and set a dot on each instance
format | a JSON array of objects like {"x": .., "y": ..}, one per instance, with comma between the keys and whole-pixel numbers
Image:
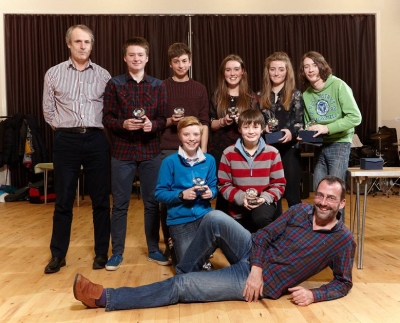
[
  {"x": 162, "y": 263},
  {"x": 112, "y": 268}
]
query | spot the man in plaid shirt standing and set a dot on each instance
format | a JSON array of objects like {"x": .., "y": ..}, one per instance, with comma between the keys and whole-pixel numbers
[
  {"x": 134, "y": 112},
  {"x": 275, "y": 260}
]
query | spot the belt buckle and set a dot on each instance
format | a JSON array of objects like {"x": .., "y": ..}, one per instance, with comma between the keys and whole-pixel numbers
[{"x": 84, "y": 130}]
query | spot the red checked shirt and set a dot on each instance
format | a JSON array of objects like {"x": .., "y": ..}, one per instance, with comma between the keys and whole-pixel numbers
[
  {"x": 289, "y": 252},
  {"x": 122, "y": 95}
]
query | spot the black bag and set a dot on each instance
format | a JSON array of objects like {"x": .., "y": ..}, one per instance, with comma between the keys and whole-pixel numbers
[{"x": 19, "y": 195}]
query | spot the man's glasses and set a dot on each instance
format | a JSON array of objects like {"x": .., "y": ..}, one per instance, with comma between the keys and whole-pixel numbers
[{"x": 329, "y": 198}]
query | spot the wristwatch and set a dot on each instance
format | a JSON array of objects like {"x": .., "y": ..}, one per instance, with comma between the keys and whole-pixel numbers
[{"x": 180, "y": 196}]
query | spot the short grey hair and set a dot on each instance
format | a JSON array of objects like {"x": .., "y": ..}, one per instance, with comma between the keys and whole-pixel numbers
[{"x": 84, "y": 28}]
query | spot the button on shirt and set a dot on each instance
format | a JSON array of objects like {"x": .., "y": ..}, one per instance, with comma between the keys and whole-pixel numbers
[
  {"x": 122, "y": 95},
  {"x": 73, "y": 98}
]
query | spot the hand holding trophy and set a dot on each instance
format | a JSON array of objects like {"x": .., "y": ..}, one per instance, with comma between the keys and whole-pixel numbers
[
  {"x": 232, "y": 112},
  {"x": 179, "y": 111},
  {"x": 252, "y": 196},
  {"x": 307, "y": 135},
  {"x": 310, "y": 123},
  {"x": 199, "y": 183},
  {"x": 274, "y": 135}
]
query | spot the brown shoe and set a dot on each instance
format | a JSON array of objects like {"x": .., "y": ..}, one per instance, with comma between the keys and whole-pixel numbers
[{"x": 86, "y": 291}]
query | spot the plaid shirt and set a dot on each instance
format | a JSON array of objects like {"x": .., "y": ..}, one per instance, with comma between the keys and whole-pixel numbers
[
  {"x": 289, "y": 251},
  {"x": 122, "y": 95}
]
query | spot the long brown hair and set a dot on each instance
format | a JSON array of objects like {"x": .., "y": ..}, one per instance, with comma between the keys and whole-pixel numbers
[
  {"x": 221, "y": 94},
  {"x": 287, "y": 90},
  {"x": 319, "y": 60}
]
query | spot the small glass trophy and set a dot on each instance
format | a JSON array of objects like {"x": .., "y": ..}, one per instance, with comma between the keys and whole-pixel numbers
[
  {"x": 273, "y": 124},
  {"x": 251, "y": 196},
  {"x": 232, "y": 112},
  {"x": 310, "y": 123},
  {"x": 198, "y": 181},
  {"x": 138, "y": 113},
  {"x": 179, "y": 111}
]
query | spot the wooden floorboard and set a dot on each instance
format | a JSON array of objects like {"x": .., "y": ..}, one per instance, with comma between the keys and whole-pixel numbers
[{"x": 27, "y": 295}]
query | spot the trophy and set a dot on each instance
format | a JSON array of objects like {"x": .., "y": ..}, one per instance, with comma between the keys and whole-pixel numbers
[
  {"x": 138, "y": 113},
  {"x": 179, "y": 111},
  {"x": 274, "y": 136},
  {"x": 310, "y": 123},
  {"x": 198, "y": 181},
  {"x": 232, "y": 112},
  {"x": 251, "y": 196},
  {"x": 273, "y": 124}
]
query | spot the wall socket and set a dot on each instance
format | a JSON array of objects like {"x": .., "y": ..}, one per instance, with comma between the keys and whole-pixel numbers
[{"x": 397, "y": 119}]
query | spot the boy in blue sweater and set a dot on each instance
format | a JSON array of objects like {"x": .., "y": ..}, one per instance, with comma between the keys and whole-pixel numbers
[{"x": 187, "y": 183}]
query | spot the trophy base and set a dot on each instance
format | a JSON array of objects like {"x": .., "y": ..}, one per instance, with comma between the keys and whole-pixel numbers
[
  {"x": 252, "y": 201},
  {"x": 307, "y": 136},
  {"x": 273, "y": 137},
  {"x": 141, "y": 119}
]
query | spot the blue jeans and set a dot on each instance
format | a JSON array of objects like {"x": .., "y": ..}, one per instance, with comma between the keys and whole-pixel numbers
[
  {"x": 332, "y": 159},
  {"x": 70, "y": 151},
  {"x": 216, "y": 230},
  {"x": 163, "y": 206},
  {"x": 122, "y": 176},
  {"x": 183, "y": 234}
]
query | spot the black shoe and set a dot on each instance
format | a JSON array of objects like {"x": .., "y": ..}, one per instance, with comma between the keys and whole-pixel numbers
[
  {"x": 100, "y": 261},
  {"x": 54, "y": 265}
]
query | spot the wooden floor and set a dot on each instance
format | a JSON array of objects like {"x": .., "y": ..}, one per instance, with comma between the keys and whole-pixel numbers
[{"x": 27, "y": 295}]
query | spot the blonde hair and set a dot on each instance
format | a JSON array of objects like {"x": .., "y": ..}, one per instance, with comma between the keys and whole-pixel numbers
[
  {"x": 189, "y": 121},
  {"x": 287, "y": 90}
]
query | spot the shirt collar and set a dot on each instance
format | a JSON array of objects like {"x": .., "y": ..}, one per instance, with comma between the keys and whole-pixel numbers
[
  {"x": 128, "y": 77},
  {"x": 335, "y": 228},
  {"x": 72, "y": 65},
  {"x": 199, "y": 154}
]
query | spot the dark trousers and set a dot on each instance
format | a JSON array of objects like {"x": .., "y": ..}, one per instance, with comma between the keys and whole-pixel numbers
[
  {"x": 70, "y": 151},
  {"x": 291, "y": 161},
  {"x": 259, "y": 217}
]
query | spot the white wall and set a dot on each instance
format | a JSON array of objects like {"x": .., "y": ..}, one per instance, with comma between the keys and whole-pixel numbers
[{"x": 387, "y": 13}]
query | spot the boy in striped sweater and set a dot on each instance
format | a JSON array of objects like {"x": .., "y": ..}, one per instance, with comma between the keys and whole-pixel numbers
[{"x": 251, "y": 166}]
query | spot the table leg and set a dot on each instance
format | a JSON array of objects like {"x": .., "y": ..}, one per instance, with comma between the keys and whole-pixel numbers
[
  {"x": 361, "y": 246},
  {"x": 352, "y": 213},
  {"x": 358, "y": 223},
  {"x": 45, "y": 186}
]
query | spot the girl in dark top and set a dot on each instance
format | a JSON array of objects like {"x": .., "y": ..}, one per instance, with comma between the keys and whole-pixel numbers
[
  {"x": 232, "y": 91},
  {"x": 279, "y": 99}
]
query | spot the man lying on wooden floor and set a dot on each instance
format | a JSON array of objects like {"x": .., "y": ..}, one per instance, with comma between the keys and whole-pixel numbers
[{"x": 275, "y": 260}]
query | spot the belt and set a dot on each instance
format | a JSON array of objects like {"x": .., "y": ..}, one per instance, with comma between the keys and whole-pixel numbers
[{"x": 78, "y": 129}]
